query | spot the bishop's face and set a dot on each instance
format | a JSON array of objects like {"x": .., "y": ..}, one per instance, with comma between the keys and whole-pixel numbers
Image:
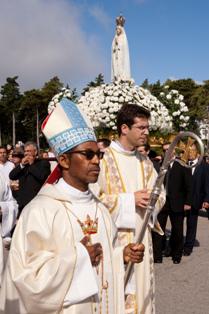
[{"x": 81, "y": 165}]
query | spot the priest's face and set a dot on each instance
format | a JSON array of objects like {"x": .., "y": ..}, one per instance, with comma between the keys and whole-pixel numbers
[
  {"x": 138, "y": 133},
  {"x": 81, "y": 165},
  {"x": 193, "y": 152}
]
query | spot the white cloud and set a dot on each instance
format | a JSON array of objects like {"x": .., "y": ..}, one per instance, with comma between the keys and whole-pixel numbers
[
  {"x": 44, "y": 38},
  {"x": 100, "y": 15}
]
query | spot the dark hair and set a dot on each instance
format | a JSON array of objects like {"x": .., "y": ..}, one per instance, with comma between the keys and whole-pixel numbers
[
  {"x": 166, "y": 143},
  {"x": 3, "y": 147},
  {"x": 18, "y": 153},
  {"x": 146, "y": 147},
  {"x": 128, "y": 113},
  {"x": 152, "y": 154},
  {"x": 106, "y": 142}
]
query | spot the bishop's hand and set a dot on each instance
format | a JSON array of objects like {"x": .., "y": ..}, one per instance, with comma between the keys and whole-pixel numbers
[
  {"x": 133, "y": 253},
  {"x": 94, "y": 250}
]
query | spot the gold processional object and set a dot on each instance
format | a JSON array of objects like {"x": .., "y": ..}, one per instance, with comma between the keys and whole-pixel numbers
[{"x": 169, "y": 157}]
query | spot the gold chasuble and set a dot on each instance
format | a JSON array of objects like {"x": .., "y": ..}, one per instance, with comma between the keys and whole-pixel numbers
[
  {"x": 49, "y": 270},
  {"x": 123, "y": 173}
]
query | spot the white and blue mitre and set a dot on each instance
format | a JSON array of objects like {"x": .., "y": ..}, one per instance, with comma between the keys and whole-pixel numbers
[{"x": 66, "y": 127}]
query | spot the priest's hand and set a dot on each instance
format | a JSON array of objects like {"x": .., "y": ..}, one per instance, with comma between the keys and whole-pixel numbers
[
  {"x": 134, "y": 253},
  {"x": 142, "y": 198},
  {"x": 94, "y": 250}
]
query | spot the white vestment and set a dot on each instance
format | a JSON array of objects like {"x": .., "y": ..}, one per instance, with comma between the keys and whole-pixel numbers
[
  {"x": 49, "y": 270},
  {"x": 9, "y": 209},
  {"x": 123, "y": 173}
]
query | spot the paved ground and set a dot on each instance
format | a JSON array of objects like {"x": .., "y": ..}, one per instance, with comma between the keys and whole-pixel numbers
[{"x": 184, "y": 288}]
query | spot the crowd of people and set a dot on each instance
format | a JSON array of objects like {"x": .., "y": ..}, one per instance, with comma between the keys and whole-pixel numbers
[
  {"x": 186, "y": 194},
  {"x": 70, "y": 216}
]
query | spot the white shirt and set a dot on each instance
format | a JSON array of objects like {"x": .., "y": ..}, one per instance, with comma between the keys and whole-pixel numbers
[{"x": 6, "y": 168}]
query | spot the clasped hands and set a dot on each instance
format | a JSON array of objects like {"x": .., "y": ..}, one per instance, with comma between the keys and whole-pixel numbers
[
  {"x": 132, "y": 252},
  {"x": 27, "y": 160}
]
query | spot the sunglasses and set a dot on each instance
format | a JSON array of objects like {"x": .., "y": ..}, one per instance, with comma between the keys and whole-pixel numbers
[{"x": 89, "y": 154}]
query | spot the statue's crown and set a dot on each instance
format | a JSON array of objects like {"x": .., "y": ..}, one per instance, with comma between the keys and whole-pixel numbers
[{"x": 120, "y": 20}]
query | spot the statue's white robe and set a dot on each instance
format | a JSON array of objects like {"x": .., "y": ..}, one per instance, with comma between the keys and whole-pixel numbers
[
  {"x": 123, "y": 173},
  {"x": 49, "y": 270},
  {"x": 120, "y": 67},
  {"x": 9, "y": 209}
]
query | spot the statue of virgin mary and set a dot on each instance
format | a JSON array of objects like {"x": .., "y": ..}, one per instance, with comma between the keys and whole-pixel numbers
[{"x": 120, "y": 53}]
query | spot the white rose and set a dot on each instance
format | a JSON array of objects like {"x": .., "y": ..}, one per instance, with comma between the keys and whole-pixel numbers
[{"x": 174, "y": 91}]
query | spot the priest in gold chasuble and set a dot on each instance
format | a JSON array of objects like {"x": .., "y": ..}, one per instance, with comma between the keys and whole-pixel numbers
[{"x": 125, "y": 182}]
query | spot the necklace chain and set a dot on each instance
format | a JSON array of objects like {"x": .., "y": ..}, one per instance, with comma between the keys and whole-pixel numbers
[{"x": 90, "y": 227}]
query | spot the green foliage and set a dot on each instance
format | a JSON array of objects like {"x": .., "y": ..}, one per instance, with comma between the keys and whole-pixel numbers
[
  {"x": 99, "y": 80},
  {"x": 156, "y": 89},
  {"x": 145, "y": 84},
  {"x": 9, "y": 104},
  {"x": 25, "y": 106}
]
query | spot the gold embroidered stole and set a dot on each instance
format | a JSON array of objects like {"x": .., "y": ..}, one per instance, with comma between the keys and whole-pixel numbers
[{"x": 115, "y": 185}]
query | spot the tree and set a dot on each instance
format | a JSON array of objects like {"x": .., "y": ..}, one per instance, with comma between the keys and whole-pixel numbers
[
  {"x": 145, "y": 84},
  {"x": 50, "y": 88},
  {"x": 185, "y": 87},
  {"x": 200, "y": 101},
  {"x": 31, "y": 102},
  {"x": 9, "y": 106},
  {"x": 74, "y": 95},
  {"x": 156, "y": 89},
  {"x": 34, "y": 107},
  {"x": 99, "y": 80}
]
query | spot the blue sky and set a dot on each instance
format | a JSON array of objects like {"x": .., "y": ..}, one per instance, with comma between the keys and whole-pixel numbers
[{"x": 72, "y": 39}]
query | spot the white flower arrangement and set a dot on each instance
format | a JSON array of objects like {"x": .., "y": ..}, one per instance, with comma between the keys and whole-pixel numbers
[
  {"x": 63, "y": 93},
  {"x": 173, "y": 100},
  {"x": 102, "y": 103}
]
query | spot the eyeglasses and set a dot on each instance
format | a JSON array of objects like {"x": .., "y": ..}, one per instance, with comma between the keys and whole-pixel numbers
[
  {"x": 89, "y": 154},
  {"x": 141, "y": 128}
]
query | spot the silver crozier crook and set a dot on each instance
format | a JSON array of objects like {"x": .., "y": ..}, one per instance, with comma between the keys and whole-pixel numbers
[{"x": 157, "y": 187}]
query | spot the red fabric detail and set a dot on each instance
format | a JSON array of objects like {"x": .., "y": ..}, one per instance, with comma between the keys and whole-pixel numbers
[
  {"x": 54, "y": 176},
  {"x": 45, "y": 122}
]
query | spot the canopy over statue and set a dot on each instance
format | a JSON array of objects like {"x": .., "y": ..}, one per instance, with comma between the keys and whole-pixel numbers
[{"x": 120, "y": 53}]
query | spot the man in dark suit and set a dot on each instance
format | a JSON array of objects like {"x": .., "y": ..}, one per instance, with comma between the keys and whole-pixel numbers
[
  {"x": 200, "y": 198},
  {"x": 31, "y": 174},
  {"x": 178, "y": 199}
]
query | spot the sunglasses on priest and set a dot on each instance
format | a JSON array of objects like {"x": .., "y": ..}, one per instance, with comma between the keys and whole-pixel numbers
[{"x": 88, "y": 153}]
